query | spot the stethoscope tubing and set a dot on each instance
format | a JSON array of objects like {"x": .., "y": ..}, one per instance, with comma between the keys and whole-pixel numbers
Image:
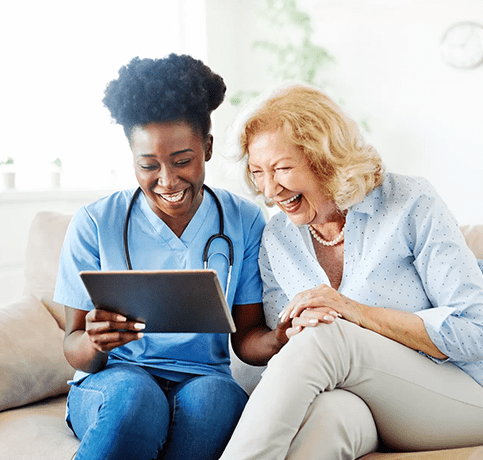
[{"x": 221, "y": 234}]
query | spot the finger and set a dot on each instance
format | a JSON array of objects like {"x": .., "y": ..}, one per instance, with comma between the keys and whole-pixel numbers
[
  {"x": 98, "y": 314},
  {"x": 305, "y": 301},
  {"x": 108, "y": 326},
  {"x": 312, "y": 321},
  {"x": 322, "y": 314},
  {"x": 109, "y": 341},
  {"x": 284, "y": 315},
  {"x": 291, "y": 331},
  {"x": 280, "y": 332},
  {"x": 134, "y": 326},
  {"x": 287, "y": 312},
  {"x": 320, "y": 297}
]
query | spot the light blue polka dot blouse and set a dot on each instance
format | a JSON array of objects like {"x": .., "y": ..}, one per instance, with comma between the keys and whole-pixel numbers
[{"x": 403, "y": 250}]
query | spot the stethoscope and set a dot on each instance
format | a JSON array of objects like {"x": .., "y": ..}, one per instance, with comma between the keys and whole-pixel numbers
[{"x": 206, "y": 256}]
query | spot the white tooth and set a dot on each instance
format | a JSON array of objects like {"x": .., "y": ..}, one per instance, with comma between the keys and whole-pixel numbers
[
  {"x": 174, "y": 198},
  {"x": 290, "y": 200}
]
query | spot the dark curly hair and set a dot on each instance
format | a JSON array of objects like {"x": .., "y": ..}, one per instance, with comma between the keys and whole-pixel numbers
[{"x": 175, "y": 88}]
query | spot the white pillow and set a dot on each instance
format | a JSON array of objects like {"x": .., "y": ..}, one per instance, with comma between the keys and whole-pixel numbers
[{"x": 32, "y": 362}]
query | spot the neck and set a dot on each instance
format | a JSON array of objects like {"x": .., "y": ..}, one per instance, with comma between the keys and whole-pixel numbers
[{"x": 332, "y": 227}]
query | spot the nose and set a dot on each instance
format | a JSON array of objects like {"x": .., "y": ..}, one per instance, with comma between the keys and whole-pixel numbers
[
  {"x": 166, "y": 178},
  {"x": 269, "y": 185}
]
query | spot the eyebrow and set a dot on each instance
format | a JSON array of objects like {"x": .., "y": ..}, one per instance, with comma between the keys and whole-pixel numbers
[
  {"x": 152, "y": 155},
  {"x": 273, "y": 165}
]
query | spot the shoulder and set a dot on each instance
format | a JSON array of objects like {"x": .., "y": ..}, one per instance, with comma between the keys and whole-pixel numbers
[
  {"x": 115, "y": 202},
  {"x": 398, "y": 192},
  {"x": 110, "y": 208},
  {"x": 402, "y": 187}
]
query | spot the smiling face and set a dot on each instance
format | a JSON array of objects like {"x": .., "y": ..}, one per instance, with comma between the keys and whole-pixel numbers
[
  {"x": 169, "y": 162},
  {"x": 282, "y": 173}
]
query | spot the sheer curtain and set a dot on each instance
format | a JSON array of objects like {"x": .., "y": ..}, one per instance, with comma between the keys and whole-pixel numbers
[{"x": 58, "y": 56}]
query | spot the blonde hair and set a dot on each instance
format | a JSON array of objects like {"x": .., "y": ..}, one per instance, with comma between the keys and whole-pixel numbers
[{"x": 347, "y": 168}]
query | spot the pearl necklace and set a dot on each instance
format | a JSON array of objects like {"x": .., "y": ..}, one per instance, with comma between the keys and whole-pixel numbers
[{"x": 321, "y": 240}]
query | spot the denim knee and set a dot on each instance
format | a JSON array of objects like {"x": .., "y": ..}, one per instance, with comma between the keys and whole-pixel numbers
[
  {"x": 206, "y": 410},
  {"x": 117, "y": 411}
]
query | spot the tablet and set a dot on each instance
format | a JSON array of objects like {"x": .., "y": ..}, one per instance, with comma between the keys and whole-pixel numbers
[{"x": 165, "y": 300}]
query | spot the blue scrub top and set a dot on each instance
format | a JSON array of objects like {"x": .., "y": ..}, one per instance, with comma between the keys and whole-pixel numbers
[{"x": 94, "y": 241}]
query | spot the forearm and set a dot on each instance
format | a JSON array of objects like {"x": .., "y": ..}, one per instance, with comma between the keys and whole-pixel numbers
[
  {"x": 80, "y": 353},
  {"x": 401, "y": 326},
  {"x": 258, "y": 346}
]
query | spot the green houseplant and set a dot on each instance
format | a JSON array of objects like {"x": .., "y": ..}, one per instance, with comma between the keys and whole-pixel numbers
[{"x": 289, "y": 51}]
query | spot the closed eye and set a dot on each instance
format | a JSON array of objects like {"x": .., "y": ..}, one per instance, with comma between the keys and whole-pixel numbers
[
  {"x": 184, "y": 162},
  {"x": 148, "y": 167},
  {"x": 283, "y": 170}
]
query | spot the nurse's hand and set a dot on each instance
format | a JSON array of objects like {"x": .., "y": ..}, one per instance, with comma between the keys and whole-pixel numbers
[{"x": 107, "y": 330}]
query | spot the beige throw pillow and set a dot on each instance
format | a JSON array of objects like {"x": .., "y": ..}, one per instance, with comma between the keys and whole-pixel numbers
[
  {"x": 32, "y": 362},
  {"x": 46, "y": 237}
]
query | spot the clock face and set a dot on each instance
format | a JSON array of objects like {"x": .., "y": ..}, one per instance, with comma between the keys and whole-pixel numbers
[{"x": 462, "y": 45}]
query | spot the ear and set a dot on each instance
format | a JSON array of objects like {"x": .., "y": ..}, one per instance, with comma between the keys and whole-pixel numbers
[{"x": 208, "y": 147}]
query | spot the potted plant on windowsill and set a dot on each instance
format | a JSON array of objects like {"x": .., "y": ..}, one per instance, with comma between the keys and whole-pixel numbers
[
  {"x": 8, "y": 173},
  {"x": 55, "y": 173}
]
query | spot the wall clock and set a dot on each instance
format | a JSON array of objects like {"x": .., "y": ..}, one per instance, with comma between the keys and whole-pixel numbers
[{"x": 462, "y": 45}]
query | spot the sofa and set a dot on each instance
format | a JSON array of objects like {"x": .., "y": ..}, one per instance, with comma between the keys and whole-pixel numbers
[{"x": 34, "y": 372}]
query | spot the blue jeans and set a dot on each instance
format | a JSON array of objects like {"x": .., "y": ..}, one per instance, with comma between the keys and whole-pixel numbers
[{"x": 123, "y": 412}]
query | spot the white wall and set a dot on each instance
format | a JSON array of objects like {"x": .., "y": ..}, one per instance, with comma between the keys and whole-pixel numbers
[
  {"x": 17, "y": 210},
  {"x": 426, "y": 118}
]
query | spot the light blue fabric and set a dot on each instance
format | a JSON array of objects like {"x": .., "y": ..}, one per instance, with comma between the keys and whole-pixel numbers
[
  {"x": 403, "y": 249},
  {"x": 94, "y": 242}
]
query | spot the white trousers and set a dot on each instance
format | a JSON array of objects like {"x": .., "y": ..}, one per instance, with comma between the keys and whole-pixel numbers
[{"x": 323, "y": 395}]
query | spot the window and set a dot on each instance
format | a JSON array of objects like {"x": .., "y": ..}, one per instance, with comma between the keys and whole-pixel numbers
[{"x": 58, "y": 56}]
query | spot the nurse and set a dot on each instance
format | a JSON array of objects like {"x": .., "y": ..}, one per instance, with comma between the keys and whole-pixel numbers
[{"x": 169, "y": 396}]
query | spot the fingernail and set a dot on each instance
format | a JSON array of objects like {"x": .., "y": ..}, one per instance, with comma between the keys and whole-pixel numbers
[
  {"x": 139, "y": 326},
  {"x": 283, "y": 317},
  {"x": 292, "y": 314},
  {"x": 140, "y": 335},
  {"x": 328, "y": 318},
  {"x": 334, "y": 313},
  {"x": 313, "y": 321}
]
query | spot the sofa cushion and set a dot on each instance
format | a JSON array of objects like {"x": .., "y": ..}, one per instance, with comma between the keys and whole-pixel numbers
[
  {"x": 37, "y": 431},
  {"x": 46, "y": 237},
  {"x": 32, "y": 363},
  {"x": 465, "y": 453},
  {"x": 474, "y": 238}
]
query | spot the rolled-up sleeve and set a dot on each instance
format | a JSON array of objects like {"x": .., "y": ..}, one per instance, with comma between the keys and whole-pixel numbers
[{"x": 452, "y": 280}]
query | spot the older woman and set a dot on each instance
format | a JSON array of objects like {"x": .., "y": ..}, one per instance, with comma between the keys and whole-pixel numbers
[{"x": 383, "y": 299}]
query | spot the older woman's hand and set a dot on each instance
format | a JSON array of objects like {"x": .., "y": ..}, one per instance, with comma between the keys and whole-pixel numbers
[{"x": 322, "y": 304}]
